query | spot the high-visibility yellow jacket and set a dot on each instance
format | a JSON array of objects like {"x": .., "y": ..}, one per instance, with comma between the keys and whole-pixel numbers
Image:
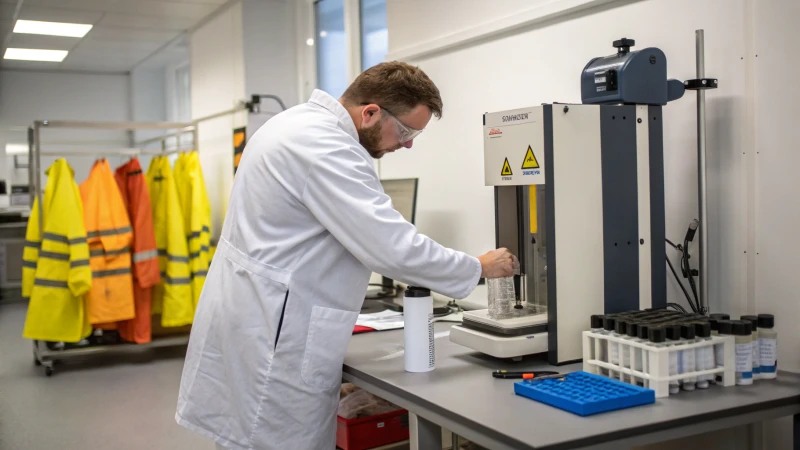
[
  {"x": 110, "y": 235},
  {"x": 56, "y": 272},
  {"x": 196, "y": 211},
  {"x": 172, "y": 297}
]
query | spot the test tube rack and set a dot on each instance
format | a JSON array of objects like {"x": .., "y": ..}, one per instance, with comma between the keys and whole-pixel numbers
[{"x": 655, "y": 361}]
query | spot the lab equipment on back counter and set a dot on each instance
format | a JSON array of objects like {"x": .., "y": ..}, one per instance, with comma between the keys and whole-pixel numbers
[{"x": 579, "y": 199}]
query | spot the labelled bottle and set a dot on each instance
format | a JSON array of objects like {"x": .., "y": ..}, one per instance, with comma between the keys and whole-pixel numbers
[
  {"x": 744, "y": 352},
  {"x": 704, "y": 356},
  {"x": 768, "y": 346},
  {"x": 687, "y": 358},
  {"x": 756, "y": 353},
  {"x": 725, "y": 329},
  {"x": 673, "y": 340},
  {"x": 609, "y": 326}
]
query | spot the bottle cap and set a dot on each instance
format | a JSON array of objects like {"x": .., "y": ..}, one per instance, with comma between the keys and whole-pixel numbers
[
  {"x": 766, "y": 321},
  {"x": 687, "y": 331},
  {"x": 725, "y": 327},
  {"x": 415, "y": 291},
  {"x": 656, "y": 334},
  {"x": 714, "y": 324},
  {"x": 644, "y": 331},
  {"x": 742, "y": 328},
  {"x": 597, "y": 321},
  {"x": 621, "y": 327},
  {"x": 673, "y": 332},
  {"x": 633, "y": 329},
  {"x": 702, "y": 329},
  {"x": 753, "y": 321},
  {"x": 720, "y": 316},
  {"x": 608, "y": 323}
]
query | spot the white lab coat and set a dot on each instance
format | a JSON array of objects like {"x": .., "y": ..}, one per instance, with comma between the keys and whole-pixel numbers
[{"x": 307, "y": 222}]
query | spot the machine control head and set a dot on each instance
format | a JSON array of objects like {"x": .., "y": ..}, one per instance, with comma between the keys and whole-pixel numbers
[{"x": 624, "y": 45}]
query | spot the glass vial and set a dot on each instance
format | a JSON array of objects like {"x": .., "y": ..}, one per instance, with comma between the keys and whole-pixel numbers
[
  {"x": 687, "y": 363},
  {"x": 624, "y": 359},
  {"x": 744, "y": 352},
  {"x": 596, "y": 322},
  {"x": 756, "y": 358},
  {"x": 725, "y": 329},
  {"x": 673, "y": 340},
  {"x": 768, "y": 346},
  {"x": 609, "y": 326},
  {"x": 704, "y": 356}
]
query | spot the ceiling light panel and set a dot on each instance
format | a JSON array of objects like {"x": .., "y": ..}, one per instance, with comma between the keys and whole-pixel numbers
[
  {"x": 77, "y": 30},
  {"x": 35, "y": 54}
]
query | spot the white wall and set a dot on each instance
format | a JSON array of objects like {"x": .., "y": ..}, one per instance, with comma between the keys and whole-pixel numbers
[
  {"x": 218, "y": 84},
  {"x": 270, "y": 54},
  {"x": 26, "y": 96},
  {"x": 543, "y": 64}
]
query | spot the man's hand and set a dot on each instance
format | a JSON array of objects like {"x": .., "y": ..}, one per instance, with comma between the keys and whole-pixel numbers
[{"x": 497, "y": 264}]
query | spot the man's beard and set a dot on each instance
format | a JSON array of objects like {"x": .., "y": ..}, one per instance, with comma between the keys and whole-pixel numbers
[{"x": 370, "y": 139}]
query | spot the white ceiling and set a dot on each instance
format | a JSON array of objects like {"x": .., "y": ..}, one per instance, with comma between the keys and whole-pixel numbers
[{"x": 125, "y": 32}]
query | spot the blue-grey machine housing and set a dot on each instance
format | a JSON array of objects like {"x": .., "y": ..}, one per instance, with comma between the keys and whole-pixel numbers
[{"x": 629, "y": 77}]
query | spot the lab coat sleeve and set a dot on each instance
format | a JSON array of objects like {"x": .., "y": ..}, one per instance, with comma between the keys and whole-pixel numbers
[{"x": 344, "y": 194}]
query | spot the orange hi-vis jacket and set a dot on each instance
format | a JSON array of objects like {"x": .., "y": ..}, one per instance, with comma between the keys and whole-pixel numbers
[
  {"x": 110, "y": 236},
  {"x": 133, "y": 187}
]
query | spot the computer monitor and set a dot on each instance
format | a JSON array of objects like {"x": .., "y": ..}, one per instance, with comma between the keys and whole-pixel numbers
[{"x": 403, "y": 193}]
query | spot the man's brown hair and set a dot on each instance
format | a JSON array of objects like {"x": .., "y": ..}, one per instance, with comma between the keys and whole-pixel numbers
[{"x": 396, "y": 86}]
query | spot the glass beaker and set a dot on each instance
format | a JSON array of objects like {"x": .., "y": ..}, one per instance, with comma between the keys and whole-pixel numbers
[{"x": 501, "y": 297}]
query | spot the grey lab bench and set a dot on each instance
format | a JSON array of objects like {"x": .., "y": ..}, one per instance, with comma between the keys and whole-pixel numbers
[{"x": 462, "y": 396}]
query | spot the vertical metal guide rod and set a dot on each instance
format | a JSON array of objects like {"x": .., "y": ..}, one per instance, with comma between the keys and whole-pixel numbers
[{"x": 702, "y": 182}]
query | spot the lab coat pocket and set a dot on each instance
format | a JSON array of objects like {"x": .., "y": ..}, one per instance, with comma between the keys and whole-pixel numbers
[{"x": 329, "y": 332}]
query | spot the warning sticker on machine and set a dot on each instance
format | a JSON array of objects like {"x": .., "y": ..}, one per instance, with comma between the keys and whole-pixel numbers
[
  {"x": 530, "y": 161},
  {"x": 506, "y": 171}
]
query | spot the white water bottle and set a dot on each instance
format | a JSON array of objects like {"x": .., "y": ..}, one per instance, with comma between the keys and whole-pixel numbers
[{"x": 418, "y": 330}]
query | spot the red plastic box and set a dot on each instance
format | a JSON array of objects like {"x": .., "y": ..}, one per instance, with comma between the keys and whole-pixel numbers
[{"x": 373, "y": 431}]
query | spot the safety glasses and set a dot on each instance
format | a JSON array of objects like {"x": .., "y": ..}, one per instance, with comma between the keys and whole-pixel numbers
[{"x": 405, "y": 133}]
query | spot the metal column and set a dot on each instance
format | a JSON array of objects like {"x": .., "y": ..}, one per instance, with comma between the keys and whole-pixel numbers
[{"x": 702, "y": 182}]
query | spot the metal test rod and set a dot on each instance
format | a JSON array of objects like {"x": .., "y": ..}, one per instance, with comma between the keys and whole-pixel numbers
[{"x": 702, "y": 187}]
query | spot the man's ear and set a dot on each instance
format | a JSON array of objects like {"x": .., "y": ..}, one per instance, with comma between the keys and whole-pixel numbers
[{"x": 370, "y": 113}]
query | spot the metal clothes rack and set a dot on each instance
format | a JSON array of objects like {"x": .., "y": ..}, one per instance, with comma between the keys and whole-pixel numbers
[{"x": 43, "y": 355}]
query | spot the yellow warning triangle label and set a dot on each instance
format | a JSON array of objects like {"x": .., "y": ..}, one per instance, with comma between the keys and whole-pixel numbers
[
  {"x": 506, "y": 172},
  {"x": 530, "y": 161}
]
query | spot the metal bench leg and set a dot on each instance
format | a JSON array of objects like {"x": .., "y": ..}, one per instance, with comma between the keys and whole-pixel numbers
[{"x": 424, "y": 434}]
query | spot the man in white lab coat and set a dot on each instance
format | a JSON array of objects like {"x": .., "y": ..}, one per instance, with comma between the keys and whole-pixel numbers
[{"x": 306, "y": 225}]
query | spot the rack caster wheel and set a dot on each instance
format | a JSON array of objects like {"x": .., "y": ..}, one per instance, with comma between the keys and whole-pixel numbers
[{"x": 48, "y": 371}]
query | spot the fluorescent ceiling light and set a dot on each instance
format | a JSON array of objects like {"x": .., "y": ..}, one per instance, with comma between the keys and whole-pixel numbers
[
  {"x": 309, "y": 42},
  {"x": 78, "y": 30},
  {"x": 35, "y": 54},
  {"x": 16, "y": 149}
]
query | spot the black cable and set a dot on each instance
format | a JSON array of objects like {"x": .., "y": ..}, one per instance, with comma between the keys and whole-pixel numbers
[
  {"x": 677, "y": 307},
  {"x": 686, "y": 267},
  {"x": 676, "y": 247},
  {"x": 685, "y": 292}
]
